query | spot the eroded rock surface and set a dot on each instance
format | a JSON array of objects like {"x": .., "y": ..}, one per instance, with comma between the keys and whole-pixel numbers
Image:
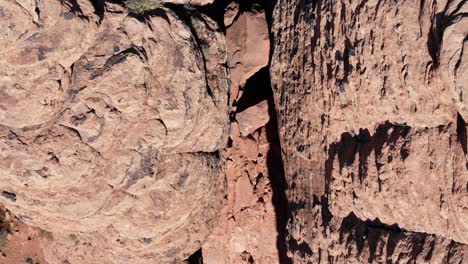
[
  {"x": 248, "y": 46},
  {"x": 20, "y": 243},
  {"x": 112, "y": 129},
  {"x": 153, "y": 138},
  {"x": 249, "y": 229},
  {"x": 370, "y": 97}
]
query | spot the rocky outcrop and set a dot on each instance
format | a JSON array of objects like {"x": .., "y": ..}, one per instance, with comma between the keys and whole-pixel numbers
[
  {"x": 250, "y": 226},
  {"x": 248, "y": 46},
  {"x": 112, "y": 128},
  {"x": 372, "y": 124},
  {"x": 247, "y": 231},
  {"x": 143, "y": 138}
]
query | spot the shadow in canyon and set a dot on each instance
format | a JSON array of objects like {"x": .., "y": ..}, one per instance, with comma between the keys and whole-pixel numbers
[
  {"x": 257, "y": 89},
  {"x": 195, "y": 258}
]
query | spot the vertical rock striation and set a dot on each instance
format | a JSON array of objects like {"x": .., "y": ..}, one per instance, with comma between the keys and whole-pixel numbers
[
  {"x": 154, "y": 137},
  {"x": 371, "y": 103}
]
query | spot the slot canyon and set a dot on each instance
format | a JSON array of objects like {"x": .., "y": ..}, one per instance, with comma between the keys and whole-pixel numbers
[{"x": 228, "y": 131}]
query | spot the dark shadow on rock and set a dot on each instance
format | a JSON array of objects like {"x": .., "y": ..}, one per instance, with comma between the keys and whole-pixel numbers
[
  {"x": 461, "y": 132},
  {"x": 257, "y": 89},
  {"x": 196, "y": 258},
  {"x": 278, "y": 182},
  {"x": 303, "y": 249},
  {"x": 380, "y": 239},
  {"x": 254, "y": 91},
  {"x": 439, "y": 23},
  {"x": 363, "y": 144}
]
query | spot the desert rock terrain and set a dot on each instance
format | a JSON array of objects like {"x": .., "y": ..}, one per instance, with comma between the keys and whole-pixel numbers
[{"x": 220, "y": 131}]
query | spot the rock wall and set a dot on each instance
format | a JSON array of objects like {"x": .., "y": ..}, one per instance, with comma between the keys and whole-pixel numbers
[
  {"x": 112, "y": 128},
  {"x": 154, "y": 138},
  {"x": 251, "y": 224},
  {"x": 370, "y": 99}
]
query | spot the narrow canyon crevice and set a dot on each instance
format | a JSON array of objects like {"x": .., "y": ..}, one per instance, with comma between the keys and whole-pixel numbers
[
  {"x": 255, "y": 173},
  {"x": 268, "y": 186},
  {"x": 230, "y": 131},
  {"x": 257, "y": 89}
]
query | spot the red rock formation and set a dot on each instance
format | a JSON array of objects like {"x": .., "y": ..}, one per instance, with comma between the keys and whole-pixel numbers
[
  {"x": 153, "y": 138},
  {"x": 20, "y": 243},
  {"x": 248, "y": 227},
  {"x": 112, "y": 129},
  {"x": 248, "y": 47},
  {"x": 372, "y": 125}
]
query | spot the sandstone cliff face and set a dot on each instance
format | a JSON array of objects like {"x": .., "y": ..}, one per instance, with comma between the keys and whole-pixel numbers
[
  {"x": 153, "y": 138},
  {"x": 112, "y": 128},
  {"x": 370, "y": 98}
]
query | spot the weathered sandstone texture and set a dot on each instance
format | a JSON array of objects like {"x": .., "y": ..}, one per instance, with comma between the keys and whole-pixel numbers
[
  {"x": 248, "y": 227},
  {"x": 153, "y": 138},
  {"x": 112, "y": 128},
  {"x": 20, "y": 243},
  {"x": 371, "y": 98}
]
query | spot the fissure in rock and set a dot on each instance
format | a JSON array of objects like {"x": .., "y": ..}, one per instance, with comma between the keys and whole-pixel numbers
[{"x": 255, "y": 173}]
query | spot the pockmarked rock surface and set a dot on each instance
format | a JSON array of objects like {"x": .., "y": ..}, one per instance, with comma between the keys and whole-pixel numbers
[
  {"x": 153, "y": 138},
  {"x": 112, "y": 129},
  {"x": 371, "y": 98}
]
